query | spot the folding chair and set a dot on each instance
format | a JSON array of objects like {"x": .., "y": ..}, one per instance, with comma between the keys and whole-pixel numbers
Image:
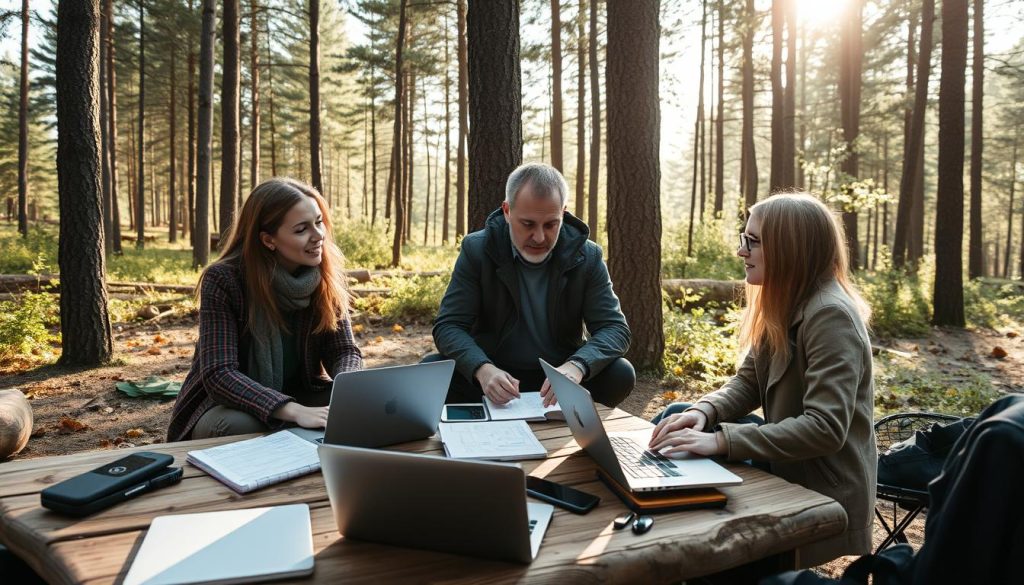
[{"x": 890, "y": 430}]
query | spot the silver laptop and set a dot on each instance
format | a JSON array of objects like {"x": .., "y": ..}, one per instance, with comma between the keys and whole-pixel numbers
[
  {"x": 474, "y": 508},
  {"x": 624, "y": 455},
  {"x": 384, "y": 406}
]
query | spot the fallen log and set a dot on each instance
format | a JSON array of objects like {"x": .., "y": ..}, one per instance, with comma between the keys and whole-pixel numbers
[{"x": 15, "y": 422}]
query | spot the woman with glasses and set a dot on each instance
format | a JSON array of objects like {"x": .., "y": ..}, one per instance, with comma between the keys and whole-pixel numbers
[
  {"x": 807, "y": 367},
  {"x": 273, "y": 321}
]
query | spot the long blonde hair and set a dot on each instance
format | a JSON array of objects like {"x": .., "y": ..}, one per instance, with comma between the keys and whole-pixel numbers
[
  {"x": 803, "y": 245},
  {"x": 264, "y": 211}
]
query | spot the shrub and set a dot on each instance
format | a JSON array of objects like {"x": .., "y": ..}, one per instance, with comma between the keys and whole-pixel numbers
[
  {"x": 414, "y": 299},
  {"x": 701, "y": 345},
  {"x": 901, "y": 385},
  {"x": 29, "y": 254},
  {"x": 161, "y": 263},
  {"x": 899, "y": 306},
  {"x": 363, "y": 246},
  {"x": 993, "y": 303},
  {"x": 713, "y": 255},
  {"x": 24, "y": 324}
]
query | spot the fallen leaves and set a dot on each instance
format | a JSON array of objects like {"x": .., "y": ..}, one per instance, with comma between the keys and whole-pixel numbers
[
  {"x": 71, "y": 425},
  {"x": 396, "y": 328},
  {"x": 998, "y": 352},
  {"x": 135, "y": 433},
  {"x": 358, "y": 328}
]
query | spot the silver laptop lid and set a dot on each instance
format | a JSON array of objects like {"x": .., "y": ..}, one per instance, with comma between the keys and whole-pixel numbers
[
  {"x": 584, "y": 421},
  {"x": 423, "y": 501},
  {"x": 384, "y": 406}
]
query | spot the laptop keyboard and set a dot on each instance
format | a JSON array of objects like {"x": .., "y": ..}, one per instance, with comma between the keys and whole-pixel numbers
[
  {"x": 533, "y": 524},
  {"x": 641, "y": 463}
]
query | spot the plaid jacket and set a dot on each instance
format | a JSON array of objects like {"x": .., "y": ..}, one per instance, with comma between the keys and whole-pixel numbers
[{"x": 217, "y": 375}]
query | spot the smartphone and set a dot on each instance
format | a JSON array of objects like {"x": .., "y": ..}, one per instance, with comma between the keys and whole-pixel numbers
[
  {"x": 106, "y": 485},
  {"x": 561, "y": 495},
  {"x": 463, "y": 412}
]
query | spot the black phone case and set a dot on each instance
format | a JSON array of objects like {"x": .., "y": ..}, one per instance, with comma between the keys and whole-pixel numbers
[
  {"x": 104, "y": 486},
  {"x": 562, "y": 503}
]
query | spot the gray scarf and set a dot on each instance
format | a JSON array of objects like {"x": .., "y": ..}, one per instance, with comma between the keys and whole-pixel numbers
[{"x": 266, "y": 357}]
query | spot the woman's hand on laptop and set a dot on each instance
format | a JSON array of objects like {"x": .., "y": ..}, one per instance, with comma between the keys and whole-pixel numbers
[
  {"x": 307, "y": 417},
  {"x": 569, "y": 370},
  {"x": 689, "y": 419},
  {"x": 497, "y": 384}
]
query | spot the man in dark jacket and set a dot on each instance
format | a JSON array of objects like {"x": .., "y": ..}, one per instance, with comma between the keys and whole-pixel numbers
[{"x": 523, "y": 288}]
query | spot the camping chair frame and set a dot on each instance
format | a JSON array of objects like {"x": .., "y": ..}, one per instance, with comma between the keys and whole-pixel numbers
[{"x": 890, "y": 430}]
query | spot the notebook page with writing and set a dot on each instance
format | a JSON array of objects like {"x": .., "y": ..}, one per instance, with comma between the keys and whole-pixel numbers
[
  {"x": 529, "y": 406},
  {"x": 507, "y": 440},
  {"x": 248, "y": 465}
]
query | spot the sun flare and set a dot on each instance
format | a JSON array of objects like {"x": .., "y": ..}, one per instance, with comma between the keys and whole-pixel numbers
[{"x": 819, "y": 13}]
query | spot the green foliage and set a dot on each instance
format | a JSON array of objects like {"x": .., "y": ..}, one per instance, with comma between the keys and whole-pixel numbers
[
  {"x": 30, "y": 254},
  {"x": 993, "y": 303},
  {"x": 363, "y": 246},
  {"x": 25, "y": 322},
  {"x": 701, "y": 345},
  {"x": 414, "y": 299},
  {"x": 899, "y": 302},
  {"x": 713, "y": 254},
  {"x": 160, "y": 262},
  {"x": 902, "y": 385}
]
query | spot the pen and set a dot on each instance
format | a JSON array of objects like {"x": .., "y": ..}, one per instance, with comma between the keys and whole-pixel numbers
[{"x": 171, "y": 477}]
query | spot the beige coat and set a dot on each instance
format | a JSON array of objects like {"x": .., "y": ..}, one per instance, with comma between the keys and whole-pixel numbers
[{"x": 818, "y": 407}]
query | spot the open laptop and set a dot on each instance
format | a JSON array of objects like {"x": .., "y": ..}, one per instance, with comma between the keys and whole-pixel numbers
[
  {"x": 624, "y": 455},
  {"x": 474, "y": 508},
  {"x": 384, "y": 406}
]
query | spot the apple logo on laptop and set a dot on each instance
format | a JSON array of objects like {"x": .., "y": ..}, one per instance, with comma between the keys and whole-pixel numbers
[
  {"x": 579, "y": 419},
  {"x": 391, "y": 406}
]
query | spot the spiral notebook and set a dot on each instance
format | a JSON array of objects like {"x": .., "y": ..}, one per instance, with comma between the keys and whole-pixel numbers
[{"x": 248, "y": 465}]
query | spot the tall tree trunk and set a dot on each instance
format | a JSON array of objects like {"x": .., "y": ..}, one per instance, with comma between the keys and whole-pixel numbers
[
  {"x": 748, "y": 162},
  {"x": 140, "y": 182},
  {"x": 802, "y": 141},
  {"x": 111, "y": 87},
  {"x": 270, "y": 91},
  {"x": 914, "y": 143},
  {"x": 172, "y": 191},
  {"x": 396, "y": 159},
  {"x": 556, "y": 86},
  {"x": 1009, "y": 210},
  {"x": 974, "y": 246},
  {"x": 720, "y": 118},
  {"x": 204, "y": 139},
  {"x": 373, "y": 151},
  {"x": 949, "y": 203},
  {"x": 850, "y": 65},
  {"x": 408, "y": 158},
  {"x": 188, "y": 210},
  {"x": 426, "y": 149},
  {"x": 447, "y": 133},
  {"x": 85, "y": 323},
  {"x": 495, "y": 104},
  {"x": 698, "y": 153},
  {"x": 581, "y": 111},
  {"x": 23, "y": 125},
  {"x": 254, "y": 73},
  {"x": 230, "y": 141},
  {"x": 460, "y": 162},
  {"x": 789, "y": 103},
  {"x": 315, "y": 160},
  {"x": 634, "y": 174},
  {"x": 595, "y": 124},
  {"x": 778, "y": 173},
  {"x": 108, "y": 213}
]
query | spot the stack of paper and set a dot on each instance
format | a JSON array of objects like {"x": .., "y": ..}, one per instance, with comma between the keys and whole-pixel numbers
[
  {"x": 496, "y": 440},
  {"x": 248, "y": 465},
  {"x": 529, "y": 406}
]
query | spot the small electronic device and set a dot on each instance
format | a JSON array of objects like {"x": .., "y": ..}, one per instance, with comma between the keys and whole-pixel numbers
[
  {"x": 463, "y": 413},
  {"x": 110, "y": 484},
  {"x": 642, "y": 524},
  {"x": 623, "y": 520},
  {"x": 560, "y": 495}
]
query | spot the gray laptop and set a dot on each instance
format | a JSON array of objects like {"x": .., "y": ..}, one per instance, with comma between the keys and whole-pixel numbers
[
  {"x": 475, "y": 508},
  {"x": 384, "y": 406},
  {"x": 624, "y": 455}
]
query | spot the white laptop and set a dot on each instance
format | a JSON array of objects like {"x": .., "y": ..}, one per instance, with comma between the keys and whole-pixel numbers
[
  {"x": 624, "y": 455},
  {"x": 475, "y": 508},
  {"x": 384, "y": 406}
]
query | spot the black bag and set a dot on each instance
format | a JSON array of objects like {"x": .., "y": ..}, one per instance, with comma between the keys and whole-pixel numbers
[{"x": 913, "y": 463}]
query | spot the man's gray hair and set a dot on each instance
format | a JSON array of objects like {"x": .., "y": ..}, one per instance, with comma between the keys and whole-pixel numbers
[{"x": 546, "y": 181}]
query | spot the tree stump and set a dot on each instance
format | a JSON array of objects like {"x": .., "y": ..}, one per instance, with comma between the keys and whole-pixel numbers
[{"x": 15, "y": 422}]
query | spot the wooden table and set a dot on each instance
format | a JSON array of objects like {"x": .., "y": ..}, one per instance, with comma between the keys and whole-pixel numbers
[{"x": 765, "y": 517}]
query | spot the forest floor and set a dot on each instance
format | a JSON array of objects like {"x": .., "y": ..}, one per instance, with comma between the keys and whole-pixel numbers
[{"x": 81, "y": 410}]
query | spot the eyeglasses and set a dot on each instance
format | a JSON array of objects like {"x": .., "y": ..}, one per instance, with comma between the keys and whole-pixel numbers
[{"x": 749, "y": 242}]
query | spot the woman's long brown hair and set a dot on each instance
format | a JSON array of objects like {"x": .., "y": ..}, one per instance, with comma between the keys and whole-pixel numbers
[
  {"x": 264, "y": 211},
  {"x": 803, "y": 245}
]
